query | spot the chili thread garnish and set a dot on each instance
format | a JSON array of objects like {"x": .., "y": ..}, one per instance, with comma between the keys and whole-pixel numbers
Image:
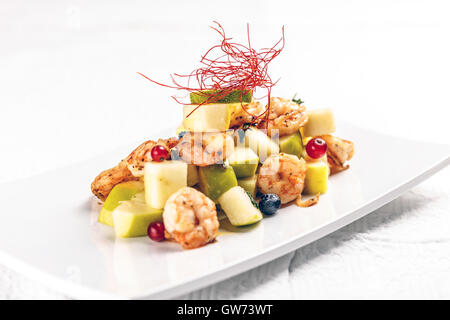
[{"x": 227, "y": 67}]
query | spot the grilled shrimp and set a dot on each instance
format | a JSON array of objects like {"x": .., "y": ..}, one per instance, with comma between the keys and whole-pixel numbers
[
  {"x": 130, "y": 168},
  {"x": 245, "y": 113},
  {"x": 284, "y": 175},
  {"x": 204, "y": 149},
  {"x": 338, "y": 152},
  {"x": 285, "y": 116},
  {"x": 106, "y": 180},
  {"x": 142, "y": 154},
  {"x": 190, "y": 218}
]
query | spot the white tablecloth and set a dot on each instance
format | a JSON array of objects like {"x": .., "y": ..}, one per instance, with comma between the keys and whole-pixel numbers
[{"x": 69, "y": 91}]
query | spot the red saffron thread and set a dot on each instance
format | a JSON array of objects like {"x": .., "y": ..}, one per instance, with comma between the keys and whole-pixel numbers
[{"x": 230, "y": 66}]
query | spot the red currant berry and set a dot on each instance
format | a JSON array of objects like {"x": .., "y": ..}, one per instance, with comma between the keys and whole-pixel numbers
[
  {"x": 156, "y": 231},
  {"x": 316, "y": 148},
  {"x": 159, "y": 153}
]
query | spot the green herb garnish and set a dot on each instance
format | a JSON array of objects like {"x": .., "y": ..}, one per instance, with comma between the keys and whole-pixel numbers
[{"x": 297, "y": 101}]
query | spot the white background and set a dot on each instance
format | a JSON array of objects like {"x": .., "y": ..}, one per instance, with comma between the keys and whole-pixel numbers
[{"x": 69, "y": 91}]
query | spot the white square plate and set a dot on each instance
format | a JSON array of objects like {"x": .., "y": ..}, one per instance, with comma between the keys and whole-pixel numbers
[{"x": 49, "y": 230}]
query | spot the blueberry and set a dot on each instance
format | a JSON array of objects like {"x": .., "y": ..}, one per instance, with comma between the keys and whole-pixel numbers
[{"x": 269, "y": 204}]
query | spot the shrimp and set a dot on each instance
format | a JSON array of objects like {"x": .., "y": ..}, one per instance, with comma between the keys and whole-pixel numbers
[
  {"x": 245, "y": 113},
  {"x": 142, "y": 154},
  {"x": 285, "y": 116},
  {"x": 338, "y": 152},
  {"x": 130, "y": 168},
  {"x": 106, "y": 180},
  {"x": 284, "y": 175},
  {"x": 190, "y": 218},
  {"x": 204, "y": 149}
]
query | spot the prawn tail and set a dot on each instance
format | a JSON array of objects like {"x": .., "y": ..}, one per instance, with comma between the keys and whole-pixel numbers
[{"x": 106, "y": 180}]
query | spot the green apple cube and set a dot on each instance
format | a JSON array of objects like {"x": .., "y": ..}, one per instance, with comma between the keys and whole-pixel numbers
[
  {"x": 132, "y": 218},
  {"x": 162, "y": 179},
  {"x": 320, "y": 122},
  {"x": 316, "y": 180},
  {"x": 244, "y": 162},
  {"x": 192, "y": 175},
  {"x": 207, "y": 118},
  {"x": 249, "y": 184},
  {"x": 292, "y": 144},
  {"x": 121, "y": 192},
  {"x": 260, "y": 143},
  {"x": 219, "y": 97},
  {"x": 239, "y": 208},
  {"x": 139, "y": 197},
  {"x": 216, "y": 179}
]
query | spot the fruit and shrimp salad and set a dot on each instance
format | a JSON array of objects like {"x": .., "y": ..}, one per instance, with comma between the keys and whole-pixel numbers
[
  {"x": 212, "y": 171},
  {"x": 234, "y": 157}
]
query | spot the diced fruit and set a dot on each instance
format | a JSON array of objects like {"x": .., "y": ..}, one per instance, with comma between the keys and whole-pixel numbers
[
  {"x": 260, "y": 143},
  {"x": 239, "y": 208},
  {"x": 159, "y": 153},
  {"x": 207, "y": 118},
  {"x": 121, "y": 192},
  {"x": 139, "y": 197},
  {"x": 292, "y": 144},
  {"x": 192, "y": 175},
  {"x": 316, "y": 148},
  {"x": 132, "y": 218},
  {"x": 162, "y": 179},
  {"x": 316, "y": 180},
  {"x": 307, "y": 157},
  {"x": 216, "y": 180},
  {"x": 156, "y": 231},
  {"x": 249, "y": 184},
  {"x": 233, "y": 97},
  {"x": 269, "y": 203},
  {"x": 244, "y": 162},
  {"x": 320, "y": 122}
]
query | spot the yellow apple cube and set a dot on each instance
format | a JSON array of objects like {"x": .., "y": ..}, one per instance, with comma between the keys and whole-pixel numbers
[
  {"x": 320, "y": 122},
  {"x": 162, "y": 179},
  {"x": 207, "y": 118},
  {"x": 192, "y": 175},
  {"x": 316, "y": 180}
]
